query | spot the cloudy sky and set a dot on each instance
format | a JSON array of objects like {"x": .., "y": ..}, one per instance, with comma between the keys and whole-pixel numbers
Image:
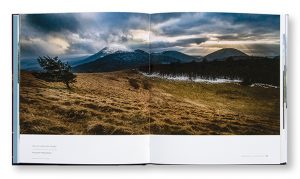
[{"x": 191, "y": 33}]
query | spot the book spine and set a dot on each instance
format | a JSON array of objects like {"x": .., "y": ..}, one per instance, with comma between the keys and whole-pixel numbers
[{"x": 15, "y": 87}]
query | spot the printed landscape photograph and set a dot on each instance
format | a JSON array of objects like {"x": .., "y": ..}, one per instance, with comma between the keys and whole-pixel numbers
[{"x": 136, "y": 74}]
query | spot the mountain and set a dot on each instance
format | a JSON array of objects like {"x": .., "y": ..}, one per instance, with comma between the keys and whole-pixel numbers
[
  {"x": 107, "y": 60},
  {"x": 159, "y": 58},
  {"x": 168, "y": 57},
  {"x": 105, "y": 51},
  {"x": 111, "y": 60},
  {"x": 183, "y": 58},
  {"x": 116, "y": 61},
  {"x": 31, "y": 64},
  {"x": 224, "y": 53},
  {"x": 141, "y": 51},
  {"x": 199, "y": 57}
]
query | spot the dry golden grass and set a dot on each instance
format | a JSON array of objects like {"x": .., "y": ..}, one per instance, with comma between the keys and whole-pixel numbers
[
  {"x": 213, "y": 109},
  {"x": 97, "y": 104},
  {"x": 125, "y": 102}
]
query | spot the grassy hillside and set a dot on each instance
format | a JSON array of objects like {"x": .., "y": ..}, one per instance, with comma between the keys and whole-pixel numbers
[
  {"x": 124, "y": 102},
  {"x": 103, "y": 103},
  {"x": 213, "y": 109}
]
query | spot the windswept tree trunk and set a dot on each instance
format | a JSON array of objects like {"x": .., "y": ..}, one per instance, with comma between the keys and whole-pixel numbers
[{"x": 67, "y": 84}]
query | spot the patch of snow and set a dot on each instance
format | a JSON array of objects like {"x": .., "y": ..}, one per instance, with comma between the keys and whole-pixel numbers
[
  {"x": 194, "y": 79},
  {"x": 115, "y": 48},
  {"x": 263, "y": 85},
  {"x": 203, "y": 80}
]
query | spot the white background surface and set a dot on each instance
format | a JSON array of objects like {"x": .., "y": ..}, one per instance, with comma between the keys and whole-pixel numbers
[
  {"x": 215, "y": 149},
  {"x": 203, "y": 171}
]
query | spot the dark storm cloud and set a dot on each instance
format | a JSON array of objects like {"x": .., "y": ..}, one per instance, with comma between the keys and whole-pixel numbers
[
  {"x": 183, "y": 24},
  {"x": 240, "y": 37},
  {"x": 82, "y": 48},
  {"x": 257, "y": 21},
  {"x": 53, "y": 22},
  {"x": 236, "y": 27},
  {"x": 179, "y": 43},
  {"x": 87, "y": 33},
  {"x": 197, "y": 23},
  {"x": 124, "y": 20},
  {"x": 263, "y": 49},
  {"x": 83, "y": 32},
  {"x": 27, "y": 50},
  {"x": 191, "y": 41},
  {"x": 161, "y": 17}
]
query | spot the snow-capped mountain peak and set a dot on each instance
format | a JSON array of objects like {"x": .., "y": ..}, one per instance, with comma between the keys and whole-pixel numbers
[
  {"x": 107, "y": 51},
  {"x": 114, "y": 49}
]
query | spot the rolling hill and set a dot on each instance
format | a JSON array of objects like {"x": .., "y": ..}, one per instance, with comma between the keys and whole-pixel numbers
[
  {"x": 171, "y": 57},
  {"x": 224, "y": 53}
]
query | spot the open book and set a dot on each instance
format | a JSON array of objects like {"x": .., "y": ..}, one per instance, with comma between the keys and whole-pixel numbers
[{"x": 135, "y": 88}]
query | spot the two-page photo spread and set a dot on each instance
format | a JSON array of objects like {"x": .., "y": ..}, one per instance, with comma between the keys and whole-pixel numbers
[{"x": 171, "y": 80}]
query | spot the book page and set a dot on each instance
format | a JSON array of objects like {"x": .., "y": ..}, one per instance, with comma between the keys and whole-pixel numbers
[
  {"x": 82, "y": 97},
  {"x": 216, "y": 88}
]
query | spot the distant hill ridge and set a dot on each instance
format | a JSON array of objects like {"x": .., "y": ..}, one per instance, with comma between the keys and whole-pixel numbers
[
  {"x": 224, "y": 53},
  {"x": 110, "y": 60},
  {"x": 115, "y": 58}
]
